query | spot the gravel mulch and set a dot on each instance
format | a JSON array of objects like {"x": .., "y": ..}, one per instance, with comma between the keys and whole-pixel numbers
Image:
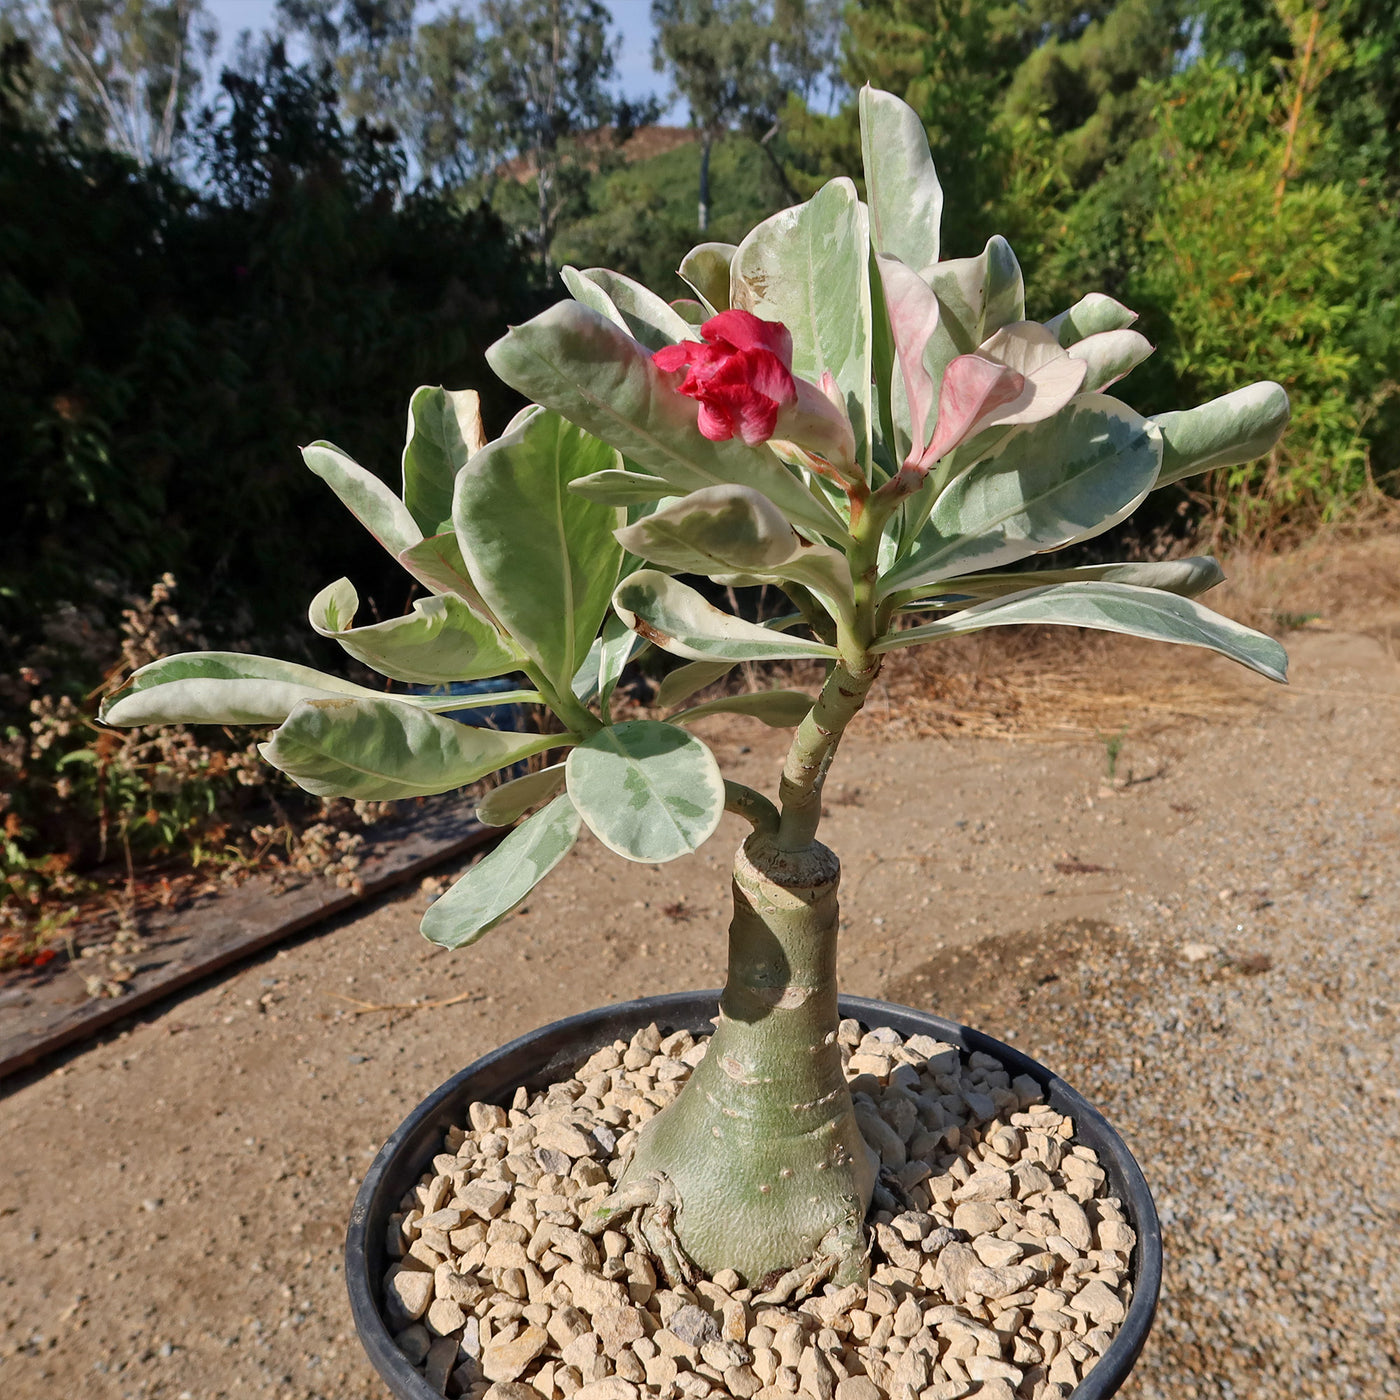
[{"x": 999, "y": 1258}]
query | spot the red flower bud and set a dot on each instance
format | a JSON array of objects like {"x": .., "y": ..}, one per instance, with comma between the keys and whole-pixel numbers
[{"x": 741, "y": 374}]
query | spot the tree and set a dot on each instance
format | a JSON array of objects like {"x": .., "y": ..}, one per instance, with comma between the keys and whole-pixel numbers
[
  {"x": 735, "y": 62},
  {"x": 368, "y": 43},
  {"x": 118, "y": 72}
]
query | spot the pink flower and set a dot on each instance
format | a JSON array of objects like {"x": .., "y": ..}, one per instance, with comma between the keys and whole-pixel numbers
[{"x": 741, "y": 374}]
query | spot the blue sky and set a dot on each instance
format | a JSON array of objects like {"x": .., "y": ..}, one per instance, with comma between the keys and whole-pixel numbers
[{"x": 633, "y": 19}]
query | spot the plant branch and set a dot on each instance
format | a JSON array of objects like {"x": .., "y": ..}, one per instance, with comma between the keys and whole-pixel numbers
[
  {"x": 815, "y": 742},
  {"x": 753, "y": 806}
]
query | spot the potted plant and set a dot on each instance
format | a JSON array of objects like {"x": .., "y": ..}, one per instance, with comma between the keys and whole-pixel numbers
[{"x": 878, "y": 433}]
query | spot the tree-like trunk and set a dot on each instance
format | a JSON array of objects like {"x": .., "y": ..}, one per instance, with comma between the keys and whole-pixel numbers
[
  {"x": 703, "y": 218},
  {"x": 760, "y": 1153}
]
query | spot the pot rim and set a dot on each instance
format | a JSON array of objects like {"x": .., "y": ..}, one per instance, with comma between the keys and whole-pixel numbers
[{"x": 541, "y": 1055}]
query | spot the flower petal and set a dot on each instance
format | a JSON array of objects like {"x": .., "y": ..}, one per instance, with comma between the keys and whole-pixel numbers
[
  {"x": 973, "y": 388},
  {"x": 745, "y": 331}
]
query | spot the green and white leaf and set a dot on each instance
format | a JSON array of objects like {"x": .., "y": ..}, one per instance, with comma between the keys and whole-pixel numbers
[
  {"x": 367, "y": 498},
  {"x": 502, "y": 878},
  {"x": 727, "y": 531},
  {"x": 646, "y": 789},
  {"x": 618, "y": 645},
  {"x": 645, "y": 316},
  {"x": 543, "y": 558},
  {"x": 381, "y": 750},
  {"x": 221, "y": 687},
  {"x": 591, "y": 295},
  {"x": 615, "y": 487},
  {"x": 1237, "y": 427},
  {"x": 1061, "y": 480},
  {"x": 1111, "y": 607},
  {"x": 779, "y": 709},
  {"x": 444, "y": 430},
  {"x": 673, "y": 616},
  {"x": 705, "y": 270},
  {"x": 440, "y": 641},
  {"x": 1110, "y": 355},
  {"x": 437, "y": 563},
  {"x": 978, "y": 295},
  {"x": 505, "y": 805},
  {"x": 1094, "y": 314},
  {"x": 1187, "y": 577},
  {"x": 581, "y": 365},
  {"x": 901, "y": 185},
  {"x": 680, "y": 684},
  {"x": 809, "y": 267}
]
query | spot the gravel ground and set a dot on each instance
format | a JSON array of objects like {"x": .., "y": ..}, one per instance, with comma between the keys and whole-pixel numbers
[
  {"x": 1242, "y": 1033},
  {"x": 1209, "y": 953}
]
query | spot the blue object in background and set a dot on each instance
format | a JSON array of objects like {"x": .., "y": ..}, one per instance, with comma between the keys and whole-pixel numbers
[
  {"x": 483, "y": 716},
  {"x": 506, "y": 717}
]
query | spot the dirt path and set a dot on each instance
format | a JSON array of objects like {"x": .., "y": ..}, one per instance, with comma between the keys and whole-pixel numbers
[{"x": 172, "y": 1200}]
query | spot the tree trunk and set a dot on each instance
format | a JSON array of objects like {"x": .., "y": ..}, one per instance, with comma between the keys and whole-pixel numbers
[
  {"x": 703, "y": 221},
  {"x": 760, "y": 1155}
]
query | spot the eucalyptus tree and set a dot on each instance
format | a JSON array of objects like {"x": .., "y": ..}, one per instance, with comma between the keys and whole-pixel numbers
[
  {"x": 123, "y": 73},
  {"x": 875, "y": 430},
  {"x": 736, "y": 61}
]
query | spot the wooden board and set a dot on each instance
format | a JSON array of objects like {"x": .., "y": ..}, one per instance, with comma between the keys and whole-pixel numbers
[{"x": 53, "y": 1010}]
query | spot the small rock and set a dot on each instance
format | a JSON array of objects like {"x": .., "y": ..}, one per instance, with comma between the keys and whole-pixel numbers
[
  {"x": 563, "y": 1137},
  {"x": 1069, "y": 1216},
  {"x": 487, "y": 1117},
  {"x": 1198, "y": 952},
  {"x": 483, "y": 1199},
  {"x": 1098, "y": 1302},
  {"x": 437, "y": 1367},
  {"x": 694, "y": 1326},
  {"x": 611, "y": 1388},
  {"x": 590, "y": 1292},
  {"x": 857, "y": 1388},
  {"x": 1117, "y": 1235},
  {"x": 566, "y": 1325},
  {"x": 977, "y": 1217},
  {"x": 988, "y": 1368},
  {"x": 444, "y": 1316},
  {"x": 409, "y": 1293},
  {"x": 985, "y": 1184},
  {"x": 996, "y": 1253},
  {"x": 998, "y": 1283},
  {"x": 618, "y": 1328},
  {"x": 741, "y": 1382},
  {"x": 512, "y": 1390},
  {"x": 506, "y": 1361},
  {"x": 955, "y": 1262},
  {"x": 414, "y": 1342}
]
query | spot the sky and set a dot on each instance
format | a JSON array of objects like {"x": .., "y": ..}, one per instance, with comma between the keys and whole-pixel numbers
[{"x": 636, "y": 76}]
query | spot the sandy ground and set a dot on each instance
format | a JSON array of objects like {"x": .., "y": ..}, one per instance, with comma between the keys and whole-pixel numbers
[{"x": 172, "y": 1199}]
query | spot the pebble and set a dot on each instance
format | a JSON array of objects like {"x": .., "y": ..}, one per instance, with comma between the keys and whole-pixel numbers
[{"x": 988, "y": 1273}]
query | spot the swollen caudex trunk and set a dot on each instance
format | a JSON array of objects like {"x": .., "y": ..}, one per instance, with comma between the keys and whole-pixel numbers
[{"x": 759, "y": 1165}]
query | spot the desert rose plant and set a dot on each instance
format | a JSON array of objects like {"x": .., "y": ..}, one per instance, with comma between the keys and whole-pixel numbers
[{"x": 839, "y": 413}]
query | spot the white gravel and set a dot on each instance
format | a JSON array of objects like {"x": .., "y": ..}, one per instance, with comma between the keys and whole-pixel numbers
[{"x": 1000, "y": 1263}]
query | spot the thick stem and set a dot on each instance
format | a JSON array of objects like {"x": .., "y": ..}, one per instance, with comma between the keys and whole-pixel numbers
[{"x": 761, "y": 1148}]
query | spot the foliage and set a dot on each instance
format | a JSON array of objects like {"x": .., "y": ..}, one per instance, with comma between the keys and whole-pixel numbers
[
  {"x": 736, "y": 62},
  {"x": 987, "y": 440},
  {"x": 1253, "y": 271},
  {"x": 75, "y": 797},
  {"x": 514, "y": 82},
  {"x": 641, "y": 219},
  {"x": 857, "y": 421},
  {"x": 117, "y": 72},
  {"x": 162, "y": 350}
]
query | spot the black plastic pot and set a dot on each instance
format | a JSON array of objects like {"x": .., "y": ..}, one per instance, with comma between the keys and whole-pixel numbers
[{"x": 552, "y": 1052}]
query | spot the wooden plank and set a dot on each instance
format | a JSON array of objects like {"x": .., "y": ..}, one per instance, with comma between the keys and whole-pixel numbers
[{"x": 218, "y": 931}]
